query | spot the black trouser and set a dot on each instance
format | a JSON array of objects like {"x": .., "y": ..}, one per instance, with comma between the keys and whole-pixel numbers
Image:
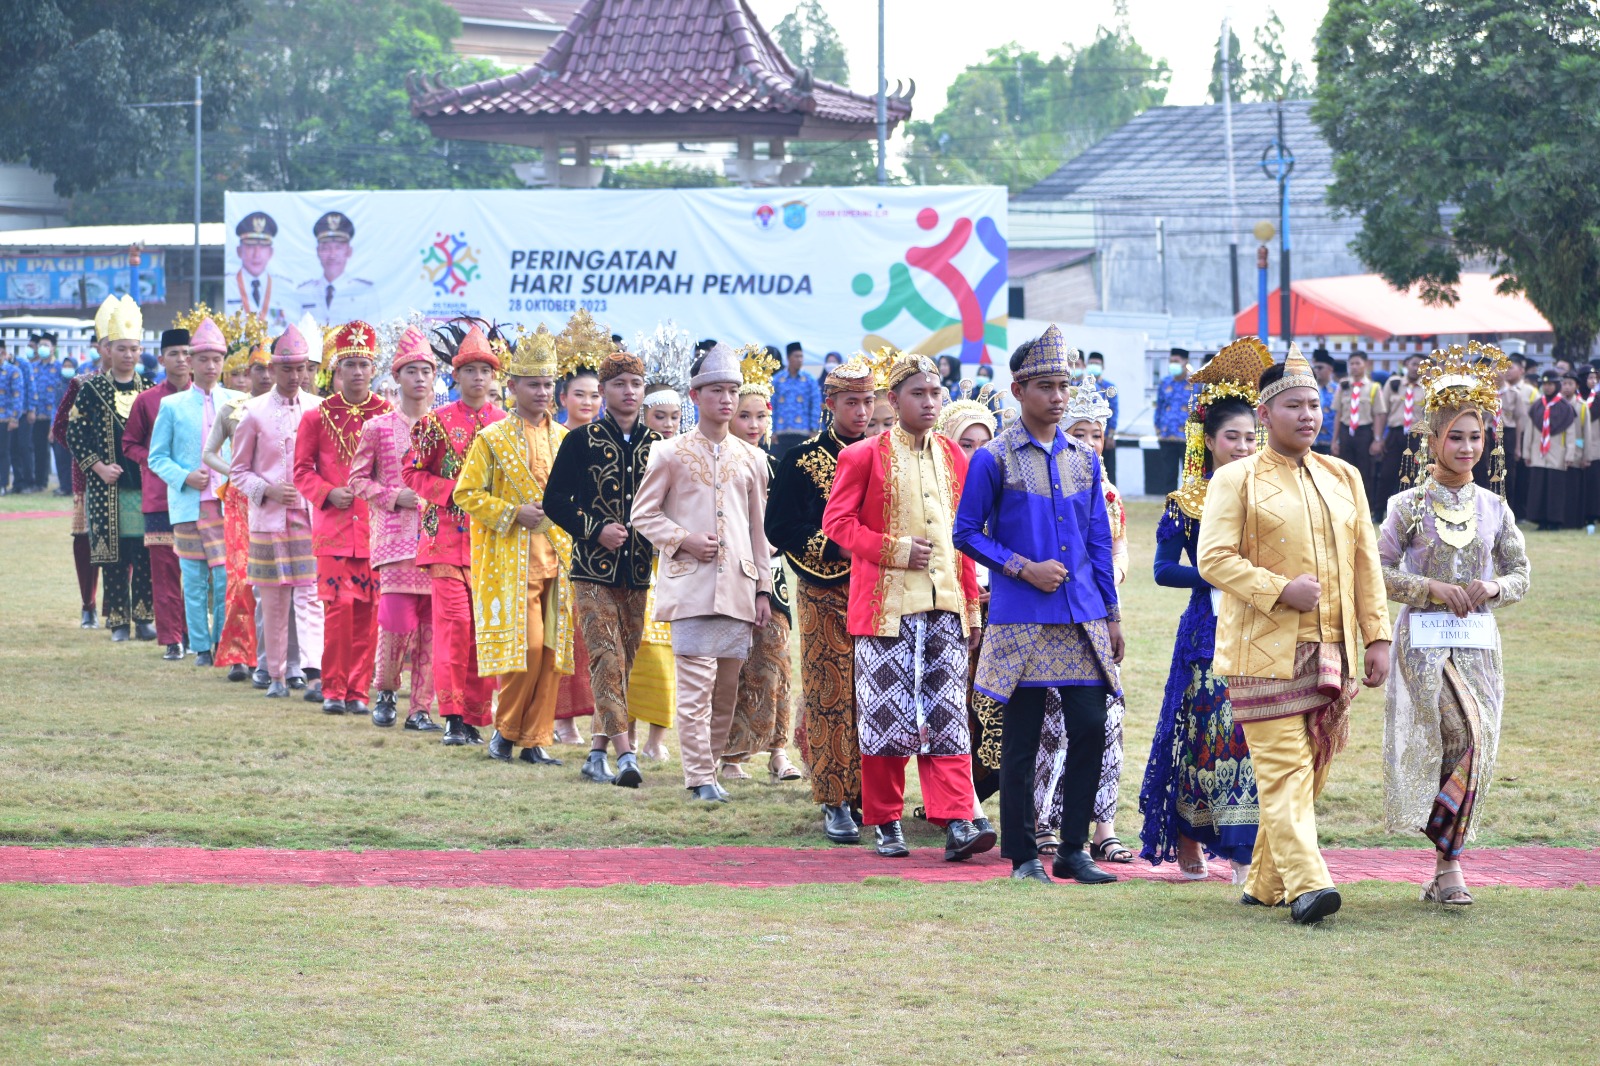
[
  {"x": 8, "y": 437},
  {"x": 782, "y": 442},
  {"x": 1108, "y": 458},
  {"x": 41, "y": 453},
  {"x": 1084, "y": 707},
  {"x": 1395, "y": 442},
  {"x": 1168, "y": 469},
  {"x": 63, "y": 468},
  {"x": 22, "y": 456},
  {"x": 125, "y": 592},
  {"x": 1356, "y": 449}
]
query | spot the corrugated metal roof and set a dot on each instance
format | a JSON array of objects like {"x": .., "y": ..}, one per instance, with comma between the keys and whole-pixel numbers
[
  {"x": 538, "y": 14},
  {"x": 148, "y": 235},
  {"x": 1177, "y": 156},
  {"x": 1026, "y": 262},
  {"x": 639, "y": 57}
]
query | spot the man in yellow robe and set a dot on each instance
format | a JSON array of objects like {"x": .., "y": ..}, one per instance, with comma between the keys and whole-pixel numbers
[
  {"x": 1287, "y": 538},
  {"x": 521, "y": 596}
]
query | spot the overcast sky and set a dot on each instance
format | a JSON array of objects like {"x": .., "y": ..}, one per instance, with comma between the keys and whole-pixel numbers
[{"x": 932, "y": 40}]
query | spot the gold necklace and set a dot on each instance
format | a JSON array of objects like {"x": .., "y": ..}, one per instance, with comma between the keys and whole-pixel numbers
[{"x": 1457, "y": 525}]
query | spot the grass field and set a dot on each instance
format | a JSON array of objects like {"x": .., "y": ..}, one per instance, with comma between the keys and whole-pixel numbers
[{"x": 108, "y": 743}]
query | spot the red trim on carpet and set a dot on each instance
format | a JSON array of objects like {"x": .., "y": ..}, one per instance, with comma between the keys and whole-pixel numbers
[{"x": 6, "y": 516}]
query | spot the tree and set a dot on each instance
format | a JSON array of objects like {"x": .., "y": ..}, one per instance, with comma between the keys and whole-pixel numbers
[
  {"x": 71, "y": 71},
  {"x": 660, "y": 176},
  {"x": 1018, "y": 116},
  {"x": 1467, "y": 131},
  {"x": 1269, "y": 75},
  {"x": 809, "y": 40},
  {"x": 322, "y": 104}
]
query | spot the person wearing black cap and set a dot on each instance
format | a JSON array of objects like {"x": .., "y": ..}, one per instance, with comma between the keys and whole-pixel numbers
[
  {"x": 166, "y": 574},
  {"x": 1173, "y": 397},
  {"x": 333, "y": 298},
  {"x": 1550, "y": 443},
  {"x": 1326, "y": 371},
  {"x": 796, "y": 403},
  {"x": 254, "y": 289}
]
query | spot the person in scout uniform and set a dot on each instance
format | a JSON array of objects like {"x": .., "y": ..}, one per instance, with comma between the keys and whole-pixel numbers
[
  {"x": 1287, "y": 537},
  {"x": 113, "y": 500},
  {"x": 521, "y": 588},
  {"x": 1360, "y": 408}
]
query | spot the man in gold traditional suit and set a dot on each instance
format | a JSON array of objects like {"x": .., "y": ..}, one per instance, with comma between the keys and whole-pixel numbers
[{"x": 1287, "y": 537}]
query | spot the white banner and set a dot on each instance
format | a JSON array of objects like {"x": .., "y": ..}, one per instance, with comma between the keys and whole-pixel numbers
[
  {"x": 1440, "y": 629},
  {"x": 838, "y": 269}
]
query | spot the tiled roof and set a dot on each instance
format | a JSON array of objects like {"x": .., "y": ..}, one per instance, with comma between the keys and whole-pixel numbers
[
  {"x": 644, "y": 57},
  {"x": 1176, "y": 157}
]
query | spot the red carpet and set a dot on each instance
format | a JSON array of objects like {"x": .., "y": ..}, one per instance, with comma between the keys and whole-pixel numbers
[
  {"x": 1527, "y": 867},
  {"x": 6, "y": 516}
]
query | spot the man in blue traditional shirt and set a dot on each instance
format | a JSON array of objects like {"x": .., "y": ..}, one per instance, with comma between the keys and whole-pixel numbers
[
  {"x": 796, "y": 403},
  {"x": 1095, "y": 368},
  {"x": 13, "y": 404},
  {"x": 1173, "y": 397},
  {"x": 45, "y": 389},
  {"x": 1033, "y": 513},
  {"x": 1326, "y": 369}
]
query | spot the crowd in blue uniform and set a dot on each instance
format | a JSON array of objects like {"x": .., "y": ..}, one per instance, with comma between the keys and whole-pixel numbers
[{"x": 32, "y": 381}]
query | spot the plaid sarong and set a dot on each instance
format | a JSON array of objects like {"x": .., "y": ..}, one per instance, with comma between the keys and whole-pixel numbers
[
  {"x": 283, "y": 558},
  {"x": 1321, "y": 688},
  {"x": 202, "y": 541}
]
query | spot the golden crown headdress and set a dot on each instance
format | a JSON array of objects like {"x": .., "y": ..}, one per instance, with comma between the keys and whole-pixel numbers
[
  {"x": 1460, "y": 376},
  {"x": 967, "y": 406},
  {"x": 583, "y": 343},
  {"x": 534, "y": 355},
  {"x": 756, "y": 367},
  {"x": 1233, "y": 373},
  {"x": 879, "y": 362}
]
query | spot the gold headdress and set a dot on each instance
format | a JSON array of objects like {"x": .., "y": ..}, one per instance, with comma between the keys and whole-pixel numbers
[
  {"x": 1296, "y": 374},
  {"x": 126, "y": 321},
  {"x": 534, "y": 356},
  {"x": 879, "y": 362},
  {"x": 102, "y": 317},
  {"x": 1458, "y": 378},
  {"x": 1233, "y": 372},
  {"x": 756, "y": 367},
  {"x": 905, "y": 364},
  {"x": 966, "y": 407},
  {"x": 582, "y": 344}
]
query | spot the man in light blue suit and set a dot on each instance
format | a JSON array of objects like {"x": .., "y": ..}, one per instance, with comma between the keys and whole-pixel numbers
[{"x": 193, "y": 504}]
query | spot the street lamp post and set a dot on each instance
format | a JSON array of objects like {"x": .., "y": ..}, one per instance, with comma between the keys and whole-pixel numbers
[
  {"x": 1278, "y": 163},
  {"x": 1263, "y": 232}
]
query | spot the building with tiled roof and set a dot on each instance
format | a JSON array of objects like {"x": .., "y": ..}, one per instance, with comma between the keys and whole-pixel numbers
[
  {"x": 657, "y": 71},
  {"x": 511, "y": 33},
  {"x": 1166, "y": 171}
]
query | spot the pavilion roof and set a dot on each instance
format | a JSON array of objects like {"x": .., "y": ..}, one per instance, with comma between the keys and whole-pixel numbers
[{"x": 655, "y": 70}]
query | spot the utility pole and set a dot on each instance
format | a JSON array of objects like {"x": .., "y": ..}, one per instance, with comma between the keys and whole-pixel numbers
[
  {"x": 194, "y": 297},
  {"x": 1277, "y": 163},
  {"x": 883, "y": 107},
  {"x": 1233, "y": 198}
]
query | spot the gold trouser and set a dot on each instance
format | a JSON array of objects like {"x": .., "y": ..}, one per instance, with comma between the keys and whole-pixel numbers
[
  {"x": 707, "y": 690},
  {"x": 526, "y": 712},
  {"x": 1287, "y": 862}
]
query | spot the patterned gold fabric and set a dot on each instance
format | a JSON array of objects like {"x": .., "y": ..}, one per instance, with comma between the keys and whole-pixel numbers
[
  {"x": 763, "y": 691},
  {"x": 612, "y": 621},
  {"x": 1036, "y": 655},
  {"x": 827, "y": 686}
]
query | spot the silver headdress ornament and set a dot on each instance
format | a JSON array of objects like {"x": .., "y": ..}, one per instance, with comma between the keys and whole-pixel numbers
[
  {"x": 388, "y": 333},
  {"x": 668, "y": 352},
  {"x": 1088, "y": 404}
]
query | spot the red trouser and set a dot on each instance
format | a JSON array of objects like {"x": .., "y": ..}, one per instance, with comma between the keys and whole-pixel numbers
[
  {"x": 946, "y": 787},
  {"x": 349, "y": 634},
  {"x": 166, "y": 589},
  {"x": 455, "y": 656}
]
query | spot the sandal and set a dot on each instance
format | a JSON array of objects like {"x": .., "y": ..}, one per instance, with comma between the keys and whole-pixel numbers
[
  {"x": 1451, "y": 895},
  {"x": 732, "y": 771},
  {"x": 1049, "y": 847},
  {"x": 781, "y": 769},
  {"x": 1111, "y": 850}
]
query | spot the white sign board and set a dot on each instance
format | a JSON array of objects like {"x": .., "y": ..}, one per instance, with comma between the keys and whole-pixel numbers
[
  {"x": 1441, "y": 629},
  {"x": 839, "y": 269}
]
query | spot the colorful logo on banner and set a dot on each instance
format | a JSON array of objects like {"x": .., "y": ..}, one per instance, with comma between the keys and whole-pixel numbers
[
  {"x": 974, "y": 329},
  {"x": 794, "y": 214},
  {"x": 764, "y": 215},
  {"x": 450, "y": 264}
]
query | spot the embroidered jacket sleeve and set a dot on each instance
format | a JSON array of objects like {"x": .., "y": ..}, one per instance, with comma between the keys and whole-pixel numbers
[
  {"x": 649, "y": 515},
  {"x": 1511, "y": 570},
  {"x": 1372, "y": 604},
  {"x": 85, "y": 444},
  {"x": 309, "y": 479},
  {"x": 473, "y": 495},
  {"x": 1102, "y": 553},
  {"x": 1400, "y": 586},
  {"x": 841, "y": 520},
  {"x": 794, "y": 512},
  {"x": 756, "y": 508},
  {"x": 566, "y": 488},
  {"x": 980, "y": 506},
  {"x": 366, "y": 471},
  {"x": 1222, "y": 540},
  {"x": 1170, "y": 571},
  {"x": 423, "y": 464}
]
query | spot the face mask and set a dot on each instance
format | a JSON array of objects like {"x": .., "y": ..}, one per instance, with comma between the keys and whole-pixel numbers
[
  {"x": 1174, "y": 370},
  {"x": 69, "y": 372},
  {"x": 1094, "y": 371}
]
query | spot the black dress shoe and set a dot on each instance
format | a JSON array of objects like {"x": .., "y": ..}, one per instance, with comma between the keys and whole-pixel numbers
[
  {"x": 455, "y": 731},
  {"x": 238, "y": 672},
  {"x": 595, "y": 769},
  {"x": 313, "y": 692},
  {"x": 1309, "y": 908},
  {"x": 173, "y": 653},
  {"x": 628, "y": 775},
  {"x": 355, "y": 707},
  {"x": 473, "y": 736},
  {"x": 838, "y": 826},
  {"x": 260, "y": 679},
  {"x": 706, "y": 794},
  {"x": 119, "y": 634},
  {"x": 499, "y": 747},
  {"x": 277, "y": 690},
  {"x": 539, "y": 757},
  {"x": 1247, "y": 900},
  {"x": 1032, "y": 870},
  {"x": 420, "y": 721},
  {"x": 333, "y": 707},
  {"x": 855, "y": 816},
  {"x": 202, "y": 658},
  {"x": 88, "y": 621},
  {"x": 987, "y": 837},
  {"x": 1076, "y": 864},
  {"x": 960, "y": 838},
  {"x": 144, "y": 631},
  {"x": 384, "y": 711},
  {"x": 891, "y": 840},
  {"x": 297, "y": 683}
]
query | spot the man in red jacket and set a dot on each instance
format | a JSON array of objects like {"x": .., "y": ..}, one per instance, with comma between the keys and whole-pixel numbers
[
  {"x": 340, "y": 527},
  {"x": 439, "y": 444}
]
